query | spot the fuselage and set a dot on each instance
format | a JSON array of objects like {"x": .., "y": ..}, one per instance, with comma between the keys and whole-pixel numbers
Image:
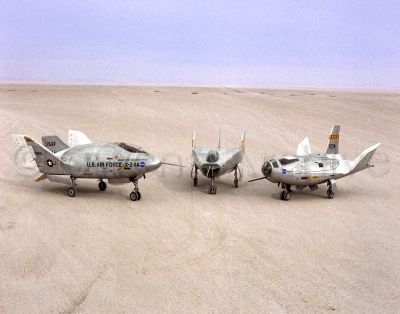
[
  {"x": 306, "y": 170},
  {"x": 107, "y": 160},
  {"x": 215, "y": 162}
]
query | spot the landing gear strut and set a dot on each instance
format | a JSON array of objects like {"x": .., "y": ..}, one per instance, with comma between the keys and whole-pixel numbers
[
  {"x": 195, "y": 179},
  {"x": 286, "y": 193},
  {"x": 331, "y": 189},
  {"x": 71, "y": 190},
  {"x": 213, "y": 187},
  {"x": 135, "y": 195},
  {"x": 102, "y": 185},
  {"x": 236, "y": 180}
]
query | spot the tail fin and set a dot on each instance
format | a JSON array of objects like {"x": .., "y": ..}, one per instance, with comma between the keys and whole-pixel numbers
[
  {"x": 304, "y": 148},
  {"x": 194, "y": 139},
  {"x": 76, "y": 138},
  {"x": 243, "y": 140},
  {"x": 45, "y": 160},
  {"x": 362, "y": 161},
  {"x": 53, "y": 143},
  {"x": 28, "y": 161},
  {"x": 333, "y": 144}
]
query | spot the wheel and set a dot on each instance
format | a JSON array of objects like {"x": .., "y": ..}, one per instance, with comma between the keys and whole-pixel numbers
[
  {"x": 139, "y": 195},
  {"x": 134, "y": 196},
  {"x": 213, "y": 189},
  {"x": 330, "y": 193},
  {"x": 285, "y": 196},
  {"x": 195, "y": 181},
  {"x": 313, "y": 187},
  {"x": 102, "y": 186},
  {"x": 71, "y": 192},
  {"x": 236, "y": 182}
]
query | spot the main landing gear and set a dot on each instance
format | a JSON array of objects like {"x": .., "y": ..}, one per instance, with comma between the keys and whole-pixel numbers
[
  {"x": 195, "y": 179},
  {"x": 236, "y": 180},
  {"x": 331, "y": 189},
  {"x": 71, "y": 190},
  {"x": 286, "y": 193},
  {"x": 135, "y": 195},
  {"x": 102, "y": 185}
]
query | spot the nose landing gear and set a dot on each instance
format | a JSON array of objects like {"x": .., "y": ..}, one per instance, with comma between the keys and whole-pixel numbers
[
  {"x": 135, "y": 195},
  {"x": 286, "y": 194},
  {"x": 213, "y": 187}
]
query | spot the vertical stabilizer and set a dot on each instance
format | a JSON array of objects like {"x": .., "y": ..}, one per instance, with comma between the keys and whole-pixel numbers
[
  {"x": 194, "y": 139},
  {"x": 46, "y": 161},
  {"x": 53, "y": 143},
  {"x": 333, "y": 143},
  {"x": 304, "y": 148},
  {"x": 76, "y": 138},
  {"x": 243, "y": 140},
  {"x": 362, "y": 161}
]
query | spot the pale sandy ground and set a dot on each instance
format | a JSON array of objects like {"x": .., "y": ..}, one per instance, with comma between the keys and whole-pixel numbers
[{"x": 181, "y": 250}]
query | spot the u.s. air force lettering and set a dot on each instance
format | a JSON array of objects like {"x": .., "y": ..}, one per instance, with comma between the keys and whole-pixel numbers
[{"x": 116, "y": 164}]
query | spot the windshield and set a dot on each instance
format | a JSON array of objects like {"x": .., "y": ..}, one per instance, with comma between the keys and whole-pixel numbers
[
  {"x": 131, "y": 148},
  {"x": 286, "y": 161},
  {"x": 212, "y": 156},
  {"x": 274, "y": 163}
]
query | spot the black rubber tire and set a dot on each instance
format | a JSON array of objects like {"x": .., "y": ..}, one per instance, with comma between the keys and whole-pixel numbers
[
  {"x": 213, "y": 190},
  {"x": 195, "y": 181},
  {"x": 331, "y": 194},
  {"x": 286, "y": 195},
  {"x": 102, "y": 186},
  {"x": 139, "y": 195},
  {"x": 236, "y": 183},
  {"x": 134, "y": 196},
  {"x": 71, "y": 192}
]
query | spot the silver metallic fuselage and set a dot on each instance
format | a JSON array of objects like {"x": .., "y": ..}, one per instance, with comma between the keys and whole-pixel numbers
[
  {"x": 106, "y": 161},
  {"x": 227, "y": 160},
  {"x": 307, "y": 170}
]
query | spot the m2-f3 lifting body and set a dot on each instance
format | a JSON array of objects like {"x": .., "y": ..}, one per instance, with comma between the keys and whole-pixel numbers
[
  {"x": 217, "y": 161},
  {"x": 309, "y": 170},
  {"x": 117, "y": 162}
]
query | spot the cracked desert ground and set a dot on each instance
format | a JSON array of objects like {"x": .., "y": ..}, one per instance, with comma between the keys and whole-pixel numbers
[{"x": 179, "y": 249}]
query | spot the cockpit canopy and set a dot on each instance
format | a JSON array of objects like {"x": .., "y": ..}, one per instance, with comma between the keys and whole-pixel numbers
[
  {"x": 131, "y": 148},
  {"x": 287, "y": 161},
  {"x": 212, "y": 156}
]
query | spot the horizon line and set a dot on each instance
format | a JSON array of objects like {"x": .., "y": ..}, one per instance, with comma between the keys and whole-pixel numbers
[{"x": 149, "y": 84}]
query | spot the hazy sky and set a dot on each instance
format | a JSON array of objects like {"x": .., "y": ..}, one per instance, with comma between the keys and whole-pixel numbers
[{"x": 241, "y": 43}]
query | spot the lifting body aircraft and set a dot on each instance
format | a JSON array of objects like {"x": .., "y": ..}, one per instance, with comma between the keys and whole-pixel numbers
[
  {"x": 309, "y": 170},
  {"x": 118, "y": 162},
  {"x": 215, "y": 162}
]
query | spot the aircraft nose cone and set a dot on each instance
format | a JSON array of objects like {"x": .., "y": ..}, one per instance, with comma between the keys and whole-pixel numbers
[
  {"x": 154, "y": 164},
  {"x": 266, "y": 169}
]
